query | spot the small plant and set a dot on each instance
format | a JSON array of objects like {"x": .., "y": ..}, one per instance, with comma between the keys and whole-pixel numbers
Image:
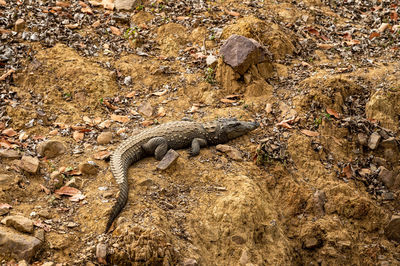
[
  {"x": 131, "y": 33},
  {"x": 140, "y": 7},
  {"x": 210, "y": 75},
  {"x": 101, "y": 100},
  {"x": 318, "y": 121}
]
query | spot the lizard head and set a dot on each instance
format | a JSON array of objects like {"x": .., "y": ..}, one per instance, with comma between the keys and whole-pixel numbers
[{"x": 233, "y": 128}]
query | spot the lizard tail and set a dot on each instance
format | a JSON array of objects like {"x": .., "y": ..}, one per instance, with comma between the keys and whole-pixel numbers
[{"x": 119, "y": 205}]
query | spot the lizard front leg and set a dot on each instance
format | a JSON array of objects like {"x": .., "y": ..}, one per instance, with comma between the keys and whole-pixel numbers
[
  {"x": 197, "y": 143},
  {"x": 157, "y": 146}
]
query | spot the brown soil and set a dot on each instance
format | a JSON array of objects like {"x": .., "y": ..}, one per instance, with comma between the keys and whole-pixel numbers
[{"x": 293, "y": 211}]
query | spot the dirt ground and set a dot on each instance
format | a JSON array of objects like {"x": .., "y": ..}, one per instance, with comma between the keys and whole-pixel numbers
[{"x": 295, "y": 198}]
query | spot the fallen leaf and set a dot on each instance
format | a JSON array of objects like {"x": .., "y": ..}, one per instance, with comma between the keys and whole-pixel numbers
[
  {"x": 146, "y": 109},
  {"x": 109, "y": 105},
  {"x": 285, "y": 125},
  {"x": 394, "y": 16},
  {"x": 83, "y": 4},
  {"x": 105, "y": 124},
  {"x": 101, "y": 155},
  {"x": 131, "y": 94},
  {"x": 268, "y": 108},
  {"x": 45, "y": 189},
  {"x": 67, "y": 191},
  {"x": 352, "y": 42},
  {"x": 120, "y": 118},
  {"x": 147, "y": 123},
  {"x": 95, "y": 3},
  {"x": 313, "y": 31},
  {"x": 374, "y": 35},
  {"x": 115, "y": 30},
  {"x": 5, "y": 75},
  {"x": 121, "y": 130},
  {"x": 310, "y": 133},
  {"x": 194, "y": 109},
  {"x": 61, "y": 125},
  {"x": 87, "y": 10},
  {"x": 227, "y": 100},
  {"x": 108, "y": 4},
  {"x": 325, "y": 46},
  {"x": 45, "y": 227},
  {"x": 6, "y": 144},
  {"x": 347, "y": 36},
  {"x": 23, "y": 136},
  {"x": 233, "y": 96},
  {"x": 72, "y": 26},
  {"x": 97, "y": 120},
  {"x": 77, "y": 197},
  {"x": 347, "y": 171},
  {"x": 62, "y": 4},
  {"x": 87, "y": 119},
  {"x": 78, "y": 136},
  {"x": 160, "y": 93},
  {"x": 9, "y": 132},
  {"x": 3, "y": 3},
  {"x": 233, "y": 13},
  {"x": 2, "y": 125},
  {"x": 181, "y": 18},
  {"x": 332, "y": 112}
]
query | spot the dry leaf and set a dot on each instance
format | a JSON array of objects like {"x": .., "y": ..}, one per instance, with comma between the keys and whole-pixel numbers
[
  {"x": 45, "y": 227},
  {"x": 147, "y": 123},
  {"x": 353, "y": 42},
  {"x": 182, "y": 18},
  {"x": 61, "y": 125},
  {"x": 95, "y": 3},
  {"x": 9, "y": 132},
  {"x": 109, "y": 105},
  {"x": 310, "y": 133},
  {"x": 87, "y": 119},
  {"x": 87, "y": 10},
  {"x": 233, "y": 13},
  {"x": 115, "y": 30},
  {"x": 54, "y": 132},
  {"x": 77, "y": 197},
  {"x": 313, "y": 31},
  {"x": 285, "y": 125},
  {"x": 348, "y": 171},
  {"x": 97, "y": 120},
  {"x": 332, "y": 112},
  {"x": 120, "y": 118},
  {"x": 5, "y": 206},
  {"x": 67, "y": 191},
  {"x": 108, "y": 4},
  {"x": 121, "y": 130},
  {"x": 62, "y": 4},
  {"x": 374, "y": 35},
  {"x": 83, "y": 4},
  {"x": 5, "y": 75},
  {"x": 3, "y": 3},
  {"x": 45, "y": 189},
  {"x": 325, "y": 46},
  {"x": 233, "y": 96},
  {"x": 146, "y": 109},
  {"x": 6, "y": 144},
  {"x": 394, "y": 16},
  {"x": 160, "y": 93},
  {"x": 2, "y": 125},
  {"x": 105, "y": 124},
  {"x": 72, "y": 26},
  {"x": 194, "y": 109},
  {"x": 227, "y": 100},
  {"x": 268, "y": 108},
  {"x": 78, "y": 136},
  {"x": 131, "y": 94}
]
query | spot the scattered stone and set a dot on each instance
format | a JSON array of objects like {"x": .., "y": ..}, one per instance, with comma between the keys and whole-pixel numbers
[
  {"x": 56, "y": 180},
  {"x": 51, "y": 149},
  {"x": 238, "y": 239},
  {"x": 29, "y": 164},
  {"x": 4, "y": 208},
  {"x": 240, "y": 53},
  {"x": 71, "y": 224},
  {"x": 310, "y": 243},
  {"x": 364, "y": 172},
  {"x": 211, "y": 61},
  {"x": 44, "y": 214},
  {"x": 379, "y": 161},
  {"x": 23, "y": 263},
  {"x": 126, "y": 4},
  {"x": 19, "y": 222},
  {"x": 12, "y": 154},
  {"x": 104, "y": 138},
  {"x": 19, "y": 246},
  {"x": 387, "y": 196},
  {"x": 39, "y": 234},
  {"x": 89, "y": 168},
  {"x": 373, "y": 141},
  {"x": 101, "y": 252},
  {"x": 392, "y": 230},
  {"x": 244, "y": 258},
  {"x": 390, "y": 149},
  {"x": 19, "y": 25},
  {"x": 232, "y": 153},
  {"x": 74, "y": 182},
  {"x": 386, "y": 176},
  {"x": 190, "y": 262},
  {"x": 362, "y": 139},
  {"x": 319, "y": 198},
  {"x": 146, "y": 109},
  {"x": 168, "y": 159},
  {"x": 49, "y": 263}
]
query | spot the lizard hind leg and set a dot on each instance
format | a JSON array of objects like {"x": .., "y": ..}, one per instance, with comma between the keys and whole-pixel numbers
[
  {"x": 157, "y": 146},
  {"x": 197, "y": 143}
]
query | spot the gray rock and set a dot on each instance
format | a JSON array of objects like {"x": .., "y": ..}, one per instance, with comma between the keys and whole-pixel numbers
[
  {"x": 104, "y": 138},
  {"x": 29, "y": 164},
  {"x": 168, "y": 159},
  {"x": 12, "y": 154},
  {"x": 392, "y": 230},
  {"x": 386, "y": 176},
  {"x": 19, "y": 222},
  {"x": 127, "y": 4},
  {"x": 17, "y": 245},
  {"x": 240, "y": 53},
  {"x": 51, "y": 149},
  {"x": 89, "y": 168},
  {"x": 373, "y": 141},
  {"x": 362, "y": 139},
  {"x": 190, "y": 262},
  {"x": 211, "y": 60},
  {"x": 232, "y": 153}
]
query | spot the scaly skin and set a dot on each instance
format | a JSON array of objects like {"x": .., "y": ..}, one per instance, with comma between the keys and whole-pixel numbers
[{"x": 174, "y": 135}]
